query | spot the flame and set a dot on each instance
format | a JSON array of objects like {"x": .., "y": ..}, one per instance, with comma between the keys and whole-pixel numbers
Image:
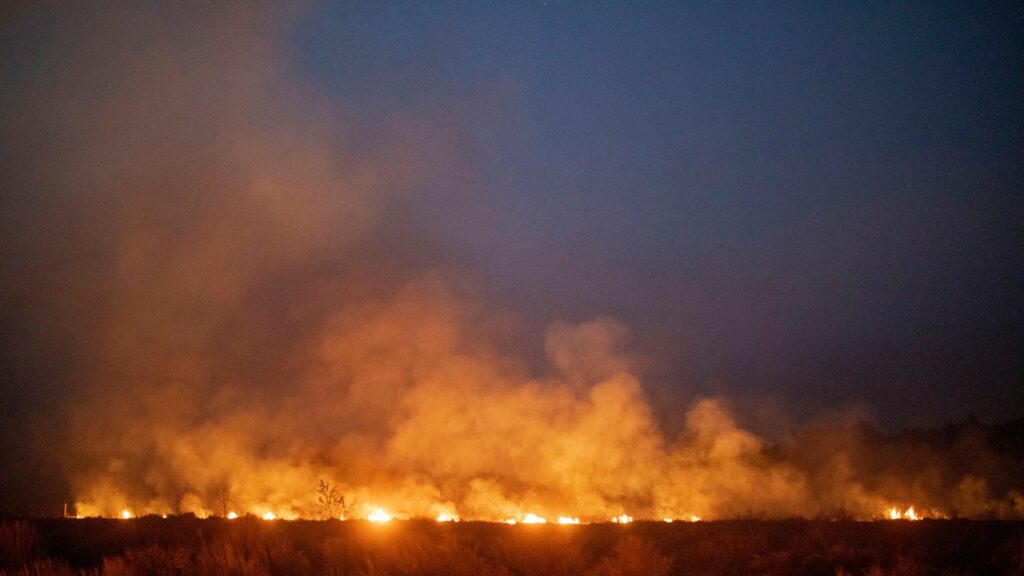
[
  {"x": 126, "y": 514},
  {"x": 269, "y": 516},
  {"x": 622, "y": 519},
  {"x": 379, "y": 515},
  {"x": 694, "y": 518},
  {"x": 908, "y": 514},
  {"x": 446, "y": 517},
  {"x": 232, "y": 515},
  {"x": 510, "y": 521},
  {"x": 568, "y": 520},
  {"x": 534, "y": 519},
  {"x": 667, "y": 520}
]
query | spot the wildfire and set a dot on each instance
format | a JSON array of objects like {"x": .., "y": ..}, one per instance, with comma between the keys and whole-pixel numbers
[
  {"x": 908, "y": 514},
  {"x": 379, "y": 515}
]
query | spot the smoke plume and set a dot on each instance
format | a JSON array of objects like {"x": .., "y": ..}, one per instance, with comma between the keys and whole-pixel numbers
[{"x": 236, "y": 309}]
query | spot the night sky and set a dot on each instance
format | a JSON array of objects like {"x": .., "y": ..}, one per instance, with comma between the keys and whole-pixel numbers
[
  {"x": 809, "y": 208},
  {"x": 819, "y": 202}
]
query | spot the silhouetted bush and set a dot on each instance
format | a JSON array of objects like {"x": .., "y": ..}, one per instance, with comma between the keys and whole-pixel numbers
[{"x": 634, "y": 557}]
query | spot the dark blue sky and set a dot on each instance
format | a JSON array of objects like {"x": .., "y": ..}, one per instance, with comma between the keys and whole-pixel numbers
[{"x": 814, "y": 203}]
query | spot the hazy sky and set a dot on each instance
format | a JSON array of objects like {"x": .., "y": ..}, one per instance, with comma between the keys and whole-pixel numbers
[
  {"x": 808, "y": 208},
  {"x": 814, "y": 201}
]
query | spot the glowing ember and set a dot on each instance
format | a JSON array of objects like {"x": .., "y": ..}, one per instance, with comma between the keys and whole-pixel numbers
[
  {"x": 534, "y": 519},
  {"x": 568, "y": 520},
  {"x": 269, "y": 516},
  {"x": 126, "y": 514},
  {"x": 379, "y": 515},
  {"x": 445, "y": 517},
  {"x": 622, "y": 519},
  {"x": 232, "y": 515}
]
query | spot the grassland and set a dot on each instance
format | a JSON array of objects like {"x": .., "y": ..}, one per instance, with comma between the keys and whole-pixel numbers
[{"x": 248, "y": 546}]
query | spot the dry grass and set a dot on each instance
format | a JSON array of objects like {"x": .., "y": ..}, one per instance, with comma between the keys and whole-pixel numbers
[
  {"x": 634, "y": 557},
  {"x": 192, "y": 547},
  {"x": 19, "y": 544}
]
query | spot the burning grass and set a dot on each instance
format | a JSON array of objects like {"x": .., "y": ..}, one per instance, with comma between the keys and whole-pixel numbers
[{"x": 249, "y": 546}]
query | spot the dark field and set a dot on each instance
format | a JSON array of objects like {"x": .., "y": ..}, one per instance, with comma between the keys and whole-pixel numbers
[{"x": 184, "y": 545}]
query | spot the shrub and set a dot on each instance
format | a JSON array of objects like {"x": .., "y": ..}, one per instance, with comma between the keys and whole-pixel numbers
[{"x": 634, "y": 557}]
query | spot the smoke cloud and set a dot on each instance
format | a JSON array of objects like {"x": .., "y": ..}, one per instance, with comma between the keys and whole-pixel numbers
[{"x": 238, "y": 310}]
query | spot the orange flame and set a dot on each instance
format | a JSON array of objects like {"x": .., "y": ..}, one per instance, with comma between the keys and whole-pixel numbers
[
  {"x": 908, "y": 514},
  {"x": 379, "y": 515}
]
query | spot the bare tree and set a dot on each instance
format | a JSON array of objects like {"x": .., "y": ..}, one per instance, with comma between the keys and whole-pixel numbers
[
  {"x": 222, "y": 496},
  {"x": 331, "y": 501}
]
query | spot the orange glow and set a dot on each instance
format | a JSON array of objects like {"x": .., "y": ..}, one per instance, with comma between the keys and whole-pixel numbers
[
  {"x": 510, "y": 521},
  {"x": 908, "y": 514},
  {"x": 568, "y": 520},
  {"x": 269, "y": 516},
  {"x": 694, "y": 518},
  {"x": 379, "y": 515},
  {"x": 534, "y": 519},
  {"x": 622, "y": 519},
  {"x": 445, "y": 517}
]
